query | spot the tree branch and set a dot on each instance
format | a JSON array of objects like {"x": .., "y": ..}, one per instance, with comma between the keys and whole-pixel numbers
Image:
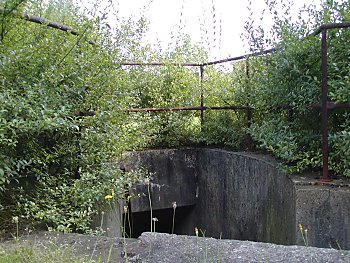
[{"x": 43, "y": 21}]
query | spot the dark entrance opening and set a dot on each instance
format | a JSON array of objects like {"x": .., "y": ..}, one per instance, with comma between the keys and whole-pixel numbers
[{"x": 141, "y": 221}]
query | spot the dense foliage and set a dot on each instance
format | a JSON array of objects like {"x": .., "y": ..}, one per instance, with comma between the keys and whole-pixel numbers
[
  {"x": 62, "y": 119},
  {"x": 291, "y": 77},
  {"x": 56, "y": 164}
]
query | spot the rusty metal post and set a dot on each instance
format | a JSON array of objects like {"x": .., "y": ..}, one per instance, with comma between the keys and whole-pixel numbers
[
  {"x": 249, "y": 111},
  {"x": 202, "y": 92},
  {"x": 324, "y": 105}
]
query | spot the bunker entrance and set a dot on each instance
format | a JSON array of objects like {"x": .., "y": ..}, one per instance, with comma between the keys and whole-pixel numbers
[{"x": 162, "y": 221}]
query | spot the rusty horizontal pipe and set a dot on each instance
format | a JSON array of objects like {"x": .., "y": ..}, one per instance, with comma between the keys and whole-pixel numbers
[
  {"x": 132, "y": 63},
  {"x": 333, "y": 105},
  {"x": 264, "y": 52},
  {"x": 255, "y": 54},
  {"x": 188, "y": 108},
  {"x": 56, "y": 25},
  {"x": 330, "y": 26},
  {"x": 135, "y": 63}
]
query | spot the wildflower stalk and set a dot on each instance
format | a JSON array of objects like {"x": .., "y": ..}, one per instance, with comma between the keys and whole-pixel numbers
[
  {"x": 101, "y": 227},
  {"x": 15, "y": 220},
  {"x": 150, "y": 202},
  {"x": 102, "y": 218},
  {"x": 304, "y": 237},
  {"x": 174, "y": 208},
  {"x": 126, "y": 212},
  {"x": 154, "y": 222},
  {"x": 196, "y": 232},
  {"x": 124, "y": 220},
  {"x": 129, "y": 221},
  {"x": 219, "y": 256},
  {"x": 338, "y": 245},
  {"x": 109, "y": 253}
]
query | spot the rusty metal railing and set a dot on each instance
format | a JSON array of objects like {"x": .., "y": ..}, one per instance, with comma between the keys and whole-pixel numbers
[{"x": 326, "y": 105}]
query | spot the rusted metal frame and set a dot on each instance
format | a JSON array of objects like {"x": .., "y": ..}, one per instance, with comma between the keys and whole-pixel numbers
[
  {"x": 264, "y": 52},
  {"x": 201, "y": 75},
  {"x": 249, "y": 111},
  {"x": 200, "y": 108},
  {"x": 255, "y": 54},
  {"x": 195, "y": 108},
  {"x": 330, "y": 26},
  {"x": 56, "y": 25},
  {"x": 326, "y": 105},
  {"x": 324, "y": 102},
  {"x": 132, "y": 63},
  {"x": 332, "y": 105},
  {"x": 230, "y": 107}
]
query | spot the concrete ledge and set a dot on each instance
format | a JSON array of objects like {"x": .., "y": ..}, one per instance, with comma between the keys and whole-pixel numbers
[
  {"x": 158, "y": 247},
  {"x": 162, "y": 248}
]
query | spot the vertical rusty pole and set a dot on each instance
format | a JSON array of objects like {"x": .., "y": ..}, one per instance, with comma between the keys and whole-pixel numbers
[
  {"x": 324, "y": 112},
  {"x": 249, "y": 110},
  {"x": 202, "y": 92}
]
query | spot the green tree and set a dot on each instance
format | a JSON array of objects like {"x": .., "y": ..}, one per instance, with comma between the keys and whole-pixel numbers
[{"x": 56, "y": 164}]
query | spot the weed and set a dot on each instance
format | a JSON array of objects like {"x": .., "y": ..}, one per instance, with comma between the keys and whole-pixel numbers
[
  {"x": 304, "y": 235},
  {"x": 30, "y": 255},
  {"x": 209, "y": 254},
  {"x": 15, "y": 220},
  {"x": 154, "y": 219},
  {"x": 150, "y": 201},
  {"x": 174, "y": 208}
]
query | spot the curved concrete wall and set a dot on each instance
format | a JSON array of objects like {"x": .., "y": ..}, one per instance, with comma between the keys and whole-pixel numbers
[
  {"x": 240, "y": 196},
  {"x": 244, "y": 197}
]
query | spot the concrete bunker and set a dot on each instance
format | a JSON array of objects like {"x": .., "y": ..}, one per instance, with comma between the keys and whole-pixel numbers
[{"x": 233, "y": 195}]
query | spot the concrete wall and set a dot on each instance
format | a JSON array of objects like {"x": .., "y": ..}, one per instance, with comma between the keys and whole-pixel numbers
[
  {"x": 240, "y": 196},
  {"x": 244, "y": 197},
  {"x": 324, "y": 210},
  {"x": 173, "y": 178}
]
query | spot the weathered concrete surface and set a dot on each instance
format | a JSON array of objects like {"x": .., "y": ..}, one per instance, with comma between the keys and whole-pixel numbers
[
  {"x": 325, "y": 212},
  {"x": 240, "y": 196},
  {"x": 157, "y": 247},
  {"x": 173, "y": 175},
  {"x": 244, "y": 197},
  {"x": 109, "y": 220}
]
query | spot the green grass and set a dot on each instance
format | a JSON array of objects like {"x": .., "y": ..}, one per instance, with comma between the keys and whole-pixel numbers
[{"x": 31, "y": 255}]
